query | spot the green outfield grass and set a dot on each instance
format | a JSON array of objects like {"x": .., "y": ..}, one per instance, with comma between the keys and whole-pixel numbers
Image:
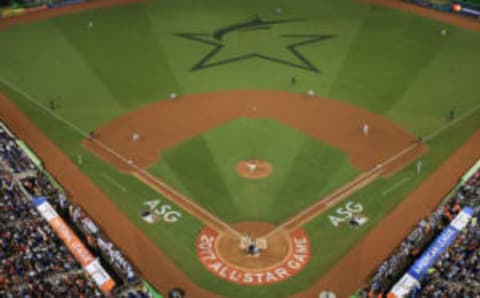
[
  {"x": 304, "y": 170},
  {"x": 389, "y": 62}
]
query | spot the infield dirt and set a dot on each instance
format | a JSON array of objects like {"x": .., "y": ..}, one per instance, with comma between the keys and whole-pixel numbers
[
  {"x": 167, "y": 123},
  {"x": 385, "y": 149}
]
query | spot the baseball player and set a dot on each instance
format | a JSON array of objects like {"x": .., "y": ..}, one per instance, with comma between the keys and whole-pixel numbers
[
  {"x": 451, "y": 115},
  {"x": 252, "y": 166},
  {"x": 90, "y": 23},
  {"x": 365, "y": 129},
  {"x": 419, "y": 167},
  {"x": 135, "y": 137}
]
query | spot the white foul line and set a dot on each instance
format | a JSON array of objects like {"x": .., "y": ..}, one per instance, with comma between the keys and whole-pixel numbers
[
  {"x": 381, "y": 165},
  {"x": 451, "y": 123},
  {"x": 120, "y": 157},
  {"x": 397, "y": 185},
  {"x": 216, "y": 219},
  {"x": 114, "y": 182}
]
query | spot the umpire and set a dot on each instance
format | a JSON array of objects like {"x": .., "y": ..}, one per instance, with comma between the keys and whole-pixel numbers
[{"x": 176, "y": 293}]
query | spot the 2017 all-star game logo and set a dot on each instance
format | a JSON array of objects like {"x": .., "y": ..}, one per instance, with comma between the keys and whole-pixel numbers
[{"x": 256, "y": 39}]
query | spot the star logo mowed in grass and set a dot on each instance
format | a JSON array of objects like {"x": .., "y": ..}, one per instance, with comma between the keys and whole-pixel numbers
[{"x": 256, "y": 39}]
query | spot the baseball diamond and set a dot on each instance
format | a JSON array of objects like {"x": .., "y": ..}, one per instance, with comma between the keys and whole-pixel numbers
[{"x": 235, "y": 148}]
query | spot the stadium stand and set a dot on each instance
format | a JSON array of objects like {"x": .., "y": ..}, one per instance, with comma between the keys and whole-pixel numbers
[
  {"x": 456, "y": 272},
  {"x": 467, "y": 8},
  {"x": 34, "y": 261}
]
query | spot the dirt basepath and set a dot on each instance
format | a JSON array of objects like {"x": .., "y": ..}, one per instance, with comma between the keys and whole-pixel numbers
[
  {"x": 188, "y": 204},
  {"x": 145, "y": 255},
  {"x": 50, "y": 13},
  {"x": 167, "y": 123},
  {"x": 353, "y": 270},
  {"x": 450, "y": 18},
  {"x": 303, "y": 217}
]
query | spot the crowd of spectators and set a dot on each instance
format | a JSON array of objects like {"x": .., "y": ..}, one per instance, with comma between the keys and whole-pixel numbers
[
  {"x": 96, "y": 240},
  {"x": 73, "y": 284},
  {"x": 457, "y": 273},
  {"x": 34, "y": 262}
]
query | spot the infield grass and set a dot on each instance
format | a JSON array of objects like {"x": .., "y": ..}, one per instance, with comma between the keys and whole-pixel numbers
[{"x": 304, "y": 170}]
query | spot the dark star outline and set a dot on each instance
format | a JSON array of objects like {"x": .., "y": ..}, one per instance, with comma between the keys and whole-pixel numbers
[{"x": 217, "y": 47}]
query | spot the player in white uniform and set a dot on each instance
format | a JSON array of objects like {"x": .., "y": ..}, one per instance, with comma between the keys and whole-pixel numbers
[{"x": 365, "y": 129}]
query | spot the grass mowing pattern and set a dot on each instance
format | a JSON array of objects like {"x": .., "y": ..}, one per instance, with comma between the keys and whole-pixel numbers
[
  {"x": 304, "y": 170},
  {"x": 140, "y": 60}
]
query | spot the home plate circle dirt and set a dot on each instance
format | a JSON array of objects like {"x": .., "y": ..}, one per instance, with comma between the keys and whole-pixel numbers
[
  {"x": 254, "y": 169},
  {"x": 281, "y": 256}
]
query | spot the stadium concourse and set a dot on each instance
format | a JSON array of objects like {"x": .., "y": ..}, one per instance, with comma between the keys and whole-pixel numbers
[
  {"x": 34, "y": 258},
  {"x": 441, "y": 256}
]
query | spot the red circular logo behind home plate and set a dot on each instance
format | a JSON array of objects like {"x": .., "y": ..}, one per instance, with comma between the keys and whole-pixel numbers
[{"x": 285, "y": 256}]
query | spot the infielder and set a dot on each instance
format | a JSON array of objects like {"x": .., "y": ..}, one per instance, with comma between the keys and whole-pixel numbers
[
  {"x": 365, "y": 129},
  {"x": 419, "y": 167},
  {"x": 135, "y": 137}
]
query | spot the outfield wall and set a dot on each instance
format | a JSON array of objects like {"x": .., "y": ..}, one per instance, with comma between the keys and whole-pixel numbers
[
  {"x": 26, "y": 8},
  {"x": 455, "y": 6}
]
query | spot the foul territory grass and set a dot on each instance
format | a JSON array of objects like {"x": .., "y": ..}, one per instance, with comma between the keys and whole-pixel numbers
[
  {"x": 390, "y": 62},
  {"x": 304, "y": 170}
]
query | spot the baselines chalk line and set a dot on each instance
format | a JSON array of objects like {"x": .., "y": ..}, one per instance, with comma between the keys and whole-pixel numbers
[
  {"x": 343, "y": 191},
  {"x": 397, "y": 185},
  {"x": 185, "y": 200},
  {"x": 129, "y": 163},
  {"x": 114, "y": 182}
]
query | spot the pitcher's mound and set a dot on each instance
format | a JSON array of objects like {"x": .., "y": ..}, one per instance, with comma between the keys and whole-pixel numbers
[{"x": 254, "y": 169}]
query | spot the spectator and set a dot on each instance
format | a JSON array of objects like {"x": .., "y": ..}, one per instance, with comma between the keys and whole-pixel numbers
[
  {"x": 457, "y": 272},
  {"x": 34, "y": 262}
]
